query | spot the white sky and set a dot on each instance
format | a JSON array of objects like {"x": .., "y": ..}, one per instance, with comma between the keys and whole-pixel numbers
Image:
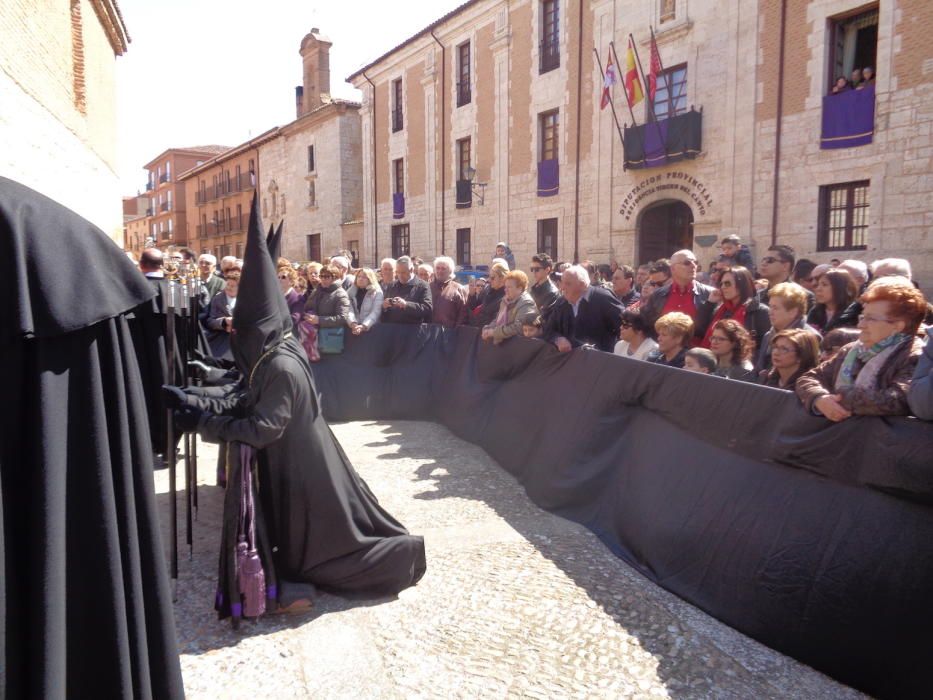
[{"x": 220, "y": 72}]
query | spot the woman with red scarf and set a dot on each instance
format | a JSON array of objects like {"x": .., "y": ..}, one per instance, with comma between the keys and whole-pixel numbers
[{"x": 734, "y": 298}]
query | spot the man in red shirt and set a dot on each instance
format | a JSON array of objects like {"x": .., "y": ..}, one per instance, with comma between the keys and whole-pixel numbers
[{"x": 683, "y": 294}]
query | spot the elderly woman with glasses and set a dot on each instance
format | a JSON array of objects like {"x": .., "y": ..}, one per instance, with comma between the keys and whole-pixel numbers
[
  {"x": 734, "y": 298},
  {"x": 787, "y": 308},
  {"x": 871, "y": 377}
]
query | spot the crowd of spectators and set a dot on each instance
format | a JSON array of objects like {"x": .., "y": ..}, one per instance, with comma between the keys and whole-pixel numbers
[{"x": 847, "y": 337}]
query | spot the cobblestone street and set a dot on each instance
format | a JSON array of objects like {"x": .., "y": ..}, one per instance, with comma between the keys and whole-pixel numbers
[{"x": 516, "y": 602}]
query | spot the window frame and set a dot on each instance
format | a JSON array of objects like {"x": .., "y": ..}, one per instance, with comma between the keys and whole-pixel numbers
[
  {"x": 311, "y": 163},
  {"x": 398, "y": 176},
  {"x": 464, "y": 76},
  {"x": 398, "y": 121},
  {"x": 833, "y": 24},
  {"x": 825, "y": 229},
  {"x": 463, "y": 246},
  {"x": 549, "y": 38},
  {"x": 666, "y": 82},
  {"x": 550, "y": 249},
  {"x": 549, "y": 133},
  {"x": 466, "y": 141},
  {"x": 401, "y": 233}
]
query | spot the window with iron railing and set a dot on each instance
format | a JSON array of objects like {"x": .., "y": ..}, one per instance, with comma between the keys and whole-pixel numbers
[
  {"x": 549, "y": 49},
  {"x": 464, "y": 95}
]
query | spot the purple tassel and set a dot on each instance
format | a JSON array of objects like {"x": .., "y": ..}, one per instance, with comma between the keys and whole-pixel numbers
[{"x": 251, "y": 579}]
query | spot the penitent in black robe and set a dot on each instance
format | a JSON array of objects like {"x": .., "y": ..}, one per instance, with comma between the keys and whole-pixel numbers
[
  {"x": 321, "y": 522},
  {"x": 85, "y": 605}
]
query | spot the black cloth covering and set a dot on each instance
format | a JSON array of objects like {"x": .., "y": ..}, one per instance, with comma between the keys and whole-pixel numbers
[
  {"x": 809, "y": 536},
  {"x": 324, "y": 525},
  {"x": 85, "y": 606}
]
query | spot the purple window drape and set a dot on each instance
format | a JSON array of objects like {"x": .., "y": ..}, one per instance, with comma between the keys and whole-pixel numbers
[
  {"x": 398, "y": 205},
  {"x": 848, "y": 118},
  {"x": 548, "y": 178}
]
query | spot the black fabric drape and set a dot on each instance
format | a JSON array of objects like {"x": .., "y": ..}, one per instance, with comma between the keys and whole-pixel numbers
[{"x": 808, "y": 536}]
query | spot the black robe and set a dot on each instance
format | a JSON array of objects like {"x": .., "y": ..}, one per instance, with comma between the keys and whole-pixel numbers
[
  {"x": 85, "y": 605},
  {"x": 321, "y": 523}
]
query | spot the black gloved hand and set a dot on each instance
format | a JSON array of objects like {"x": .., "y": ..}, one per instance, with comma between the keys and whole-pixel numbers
[
  {"x": 187, "y": 419},
  {"x": 173, "y": 396}
]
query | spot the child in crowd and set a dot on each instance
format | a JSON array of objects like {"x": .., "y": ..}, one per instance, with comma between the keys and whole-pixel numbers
[{"x": 700, "y": 360}]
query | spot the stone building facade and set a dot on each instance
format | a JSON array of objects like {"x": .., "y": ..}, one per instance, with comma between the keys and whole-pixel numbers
[
  {"x": 58, "y": 114},
  {"x": 311, "y": 171},
  {"x": 486, "y": 127}
]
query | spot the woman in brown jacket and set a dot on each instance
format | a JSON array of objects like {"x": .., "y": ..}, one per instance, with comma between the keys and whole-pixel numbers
[{"x": 870, "y": 377}]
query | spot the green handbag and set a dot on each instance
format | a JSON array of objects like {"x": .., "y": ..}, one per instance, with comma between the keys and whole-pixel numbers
[{"x": 330, "y": 340}]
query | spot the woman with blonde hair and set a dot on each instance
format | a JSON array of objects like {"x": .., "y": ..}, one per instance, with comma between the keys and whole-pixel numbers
[
  {"x": 516, "y": 308},
  {"x": 365, "y": 301},
  {"x": 674, "y": 329},
  {"x": 787, "y": 308}
]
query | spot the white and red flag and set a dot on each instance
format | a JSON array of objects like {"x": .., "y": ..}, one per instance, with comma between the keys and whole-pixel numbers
[{"x": 608, "y": 81}]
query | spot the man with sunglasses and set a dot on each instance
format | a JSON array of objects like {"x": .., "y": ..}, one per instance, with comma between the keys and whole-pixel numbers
[
  {"x": 543, "y": 290},
  {"x": 684, "y": 294},
  {"x": 777, "y": 267}
]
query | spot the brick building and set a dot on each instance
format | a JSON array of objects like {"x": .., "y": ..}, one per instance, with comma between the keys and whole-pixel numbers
[
  {"x": 310, "y": 171},
  {"x": 57, "y": 91},
  {"x": 486, "y": 126},
  {"x": 219, "y": 192}
]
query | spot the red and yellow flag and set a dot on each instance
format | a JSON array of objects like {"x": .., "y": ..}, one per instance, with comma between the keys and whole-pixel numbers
[{"x": 633, "y": 88}]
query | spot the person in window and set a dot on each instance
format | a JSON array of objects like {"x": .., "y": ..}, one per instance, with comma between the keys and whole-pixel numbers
[
  {"x": 793, "y": 352},
  {"x": 635, "y": 339},
  {"x": 856, "y": 78},
  {"x": 835, "y": 291},
  {"x": 735, "y": 298},
  {"x": 675, "y": 331},
  {"x": 732, "y": 346},
  {"x": 700, "y": 360},
  {"x": 841, "y": 85},
  {"x": 329, "y": 305},
  {"x": 871, "y": 376},
  {"x": 868, "y": 77},
  {"x": 787, "y": 308},
  {"x": 365, "y": 301},
  {"x": 515, "y": 310}
]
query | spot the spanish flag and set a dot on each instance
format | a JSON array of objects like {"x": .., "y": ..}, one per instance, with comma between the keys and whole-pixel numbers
[{"x": 633, "y": 90}]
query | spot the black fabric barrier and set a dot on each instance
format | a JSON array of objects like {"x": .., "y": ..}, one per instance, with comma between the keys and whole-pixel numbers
[{"x": 812, "y": 538}]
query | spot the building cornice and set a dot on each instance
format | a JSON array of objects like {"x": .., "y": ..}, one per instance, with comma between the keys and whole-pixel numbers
[
  {"x": 111, "y": 20},
  {"x": 232, "y": 153}
]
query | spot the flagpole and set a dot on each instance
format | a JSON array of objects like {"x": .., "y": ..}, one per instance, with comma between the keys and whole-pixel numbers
[
  {"x": 611, "y": 103},
  {"x": 667, "y": 84},
  {"x": 627, "y": 100}
]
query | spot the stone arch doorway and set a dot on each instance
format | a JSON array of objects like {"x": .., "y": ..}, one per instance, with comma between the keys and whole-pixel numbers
[{"x": 663, "y": 228}]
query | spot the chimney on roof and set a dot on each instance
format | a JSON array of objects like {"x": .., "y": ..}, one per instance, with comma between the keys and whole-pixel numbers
[
  {"x": 299, "y": 93},
  {"x": 315, "y": 57}
]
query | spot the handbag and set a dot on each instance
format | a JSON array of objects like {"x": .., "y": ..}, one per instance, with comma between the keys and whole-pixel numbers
[
  {"x": 251, "y": 579},
  {"x": 308, "y": 335},
  {"x": 330, "y": 341}
]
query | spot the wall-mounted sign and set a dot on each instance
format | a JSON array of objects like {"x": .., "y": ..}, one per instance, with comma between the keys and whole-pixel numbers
[{"x": 676, "y": 181}]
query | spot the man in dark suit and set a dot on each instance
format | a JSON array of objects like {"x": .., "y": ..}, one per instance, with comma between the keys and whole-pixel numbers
[
  {"x": 586, "y": 315},
  {"x": 408, "y": 299}
]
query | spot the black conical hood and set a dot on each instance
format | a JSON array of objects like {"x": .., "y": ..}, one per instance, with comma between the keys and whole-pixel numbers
[
  {"x": 260, "y": 318},
  {"x": 275, "y": 246}
]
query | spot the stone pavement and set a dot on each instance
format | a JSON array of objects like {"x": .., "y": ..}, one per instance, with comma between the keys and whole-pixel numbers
[{"x": 516, "y": 602}]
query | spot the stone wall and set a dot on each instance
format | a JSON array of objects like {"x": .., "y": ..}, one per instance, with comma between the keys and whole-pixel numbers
[{"x": 58, "y": 116}]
